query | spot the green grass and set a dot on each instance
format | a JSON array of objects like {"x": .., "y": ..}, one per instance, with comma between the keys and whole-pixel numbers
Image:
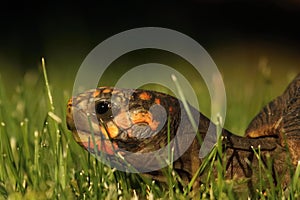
[{"x": 40, "y": 160}]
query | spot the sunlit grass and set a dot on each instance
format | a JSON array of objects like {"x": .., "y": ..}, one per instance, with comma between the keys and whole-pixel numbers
[{"x": 40, "y": 160}]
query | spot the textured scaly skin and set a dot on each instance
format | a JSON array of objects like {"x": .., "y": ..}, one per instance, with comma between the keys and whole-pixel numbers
[{"x": 135, "y": 122}]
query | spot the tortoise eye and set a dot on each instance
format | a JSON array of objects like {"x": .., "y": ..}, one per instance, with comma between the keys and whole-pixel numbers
[{"x": 102, "y": 107}]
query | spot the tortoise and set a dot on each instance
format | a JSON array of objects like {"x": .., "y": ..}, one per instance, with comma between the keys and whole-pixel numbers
[{"x": 127, "y": 122}]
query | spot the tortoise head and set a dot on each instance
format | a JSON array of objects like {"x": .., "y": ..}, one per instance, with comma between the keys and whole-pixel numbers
[{"x": 126, "y": 119}]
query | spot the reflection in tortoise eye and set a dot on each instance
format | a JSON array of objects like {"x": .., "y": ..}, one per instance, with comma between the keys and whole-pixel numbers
[{"x": 102, "y": 107}]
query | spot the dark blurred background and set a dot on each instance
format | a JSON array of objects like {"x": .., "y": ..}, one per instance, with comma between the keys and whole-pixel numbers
[
  {"x": 255, "y": 44},
  {"x": 235, "y": 33}
]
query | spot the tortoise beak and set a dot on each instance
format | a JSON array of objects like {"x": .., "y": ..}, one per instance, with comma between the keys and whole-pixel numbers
[{"x": 78, "y": 121}]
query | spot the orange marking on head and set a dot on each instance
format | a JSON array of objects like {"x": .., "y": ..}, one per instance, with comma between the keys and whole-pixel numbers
[
  {"x": 70, "y": 102},
  {"x": 105, "y": 146},
  {"x": 170, "y": 109},
  {"x": 145, "y": 96},
  {"x": 141, "y": 117},
  {"x": 105, "y": 91},
  {"x": 145, "y": 118},
  {"x": 96, "y": 93},
  {"x": 157, "y": 101},
  {"x": 104, "y": 132},
  {"x": 113, "y": 130}
]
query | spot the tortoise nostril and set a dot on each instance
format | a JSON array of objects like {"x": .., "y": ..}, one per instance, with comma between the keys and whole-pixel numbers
[{"x": 69, "y": 109}]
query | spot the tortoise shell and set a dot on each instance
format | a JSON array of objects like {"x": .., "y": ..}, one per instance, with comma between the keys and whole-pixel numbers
[{"x": 281, "y": 118}]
